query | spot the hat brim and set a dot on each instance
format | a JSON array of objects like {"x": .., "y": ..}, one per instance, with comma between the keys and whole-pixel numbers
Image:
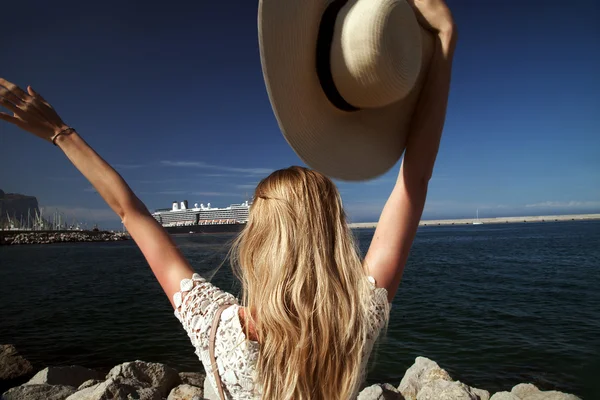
[{"x": 351, "y": 146}]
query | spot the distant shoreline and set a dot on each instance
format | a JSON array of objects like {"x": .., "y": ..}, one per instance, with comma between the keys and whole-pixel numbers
[{"x": 492, "y": 221}]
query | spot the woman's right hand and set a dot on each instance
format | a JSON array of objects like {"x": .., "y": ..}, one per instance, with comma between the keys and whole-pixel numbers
[
  {"x": 30, "y": 111},
  {"x": 434, "y": 15},
  {"x": 34, "y": 114}
]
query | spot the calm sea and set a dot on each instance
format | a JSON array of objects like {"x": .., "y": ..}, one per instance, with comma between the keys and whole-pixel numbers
[{"x": 495, "y": 305}]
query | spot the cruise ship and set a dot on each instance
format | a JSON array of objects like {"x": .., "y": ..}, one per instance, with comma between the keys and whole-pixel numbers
[{"x": 202, "y": 219}]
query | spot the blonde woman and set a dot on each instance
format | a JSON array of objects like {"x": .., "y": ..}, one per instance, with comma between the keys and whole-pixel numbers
[{"x": 311, "y": 309}]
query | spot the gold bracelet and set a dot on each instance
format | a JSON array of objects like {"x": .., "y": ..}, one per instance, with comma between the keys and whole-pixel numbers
[{"x": 66, "y": 131}]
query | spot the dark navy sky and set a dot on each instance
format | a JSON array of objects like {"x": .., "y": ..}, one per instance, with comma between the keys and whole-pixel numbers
[{"x": 171, "y": 93}]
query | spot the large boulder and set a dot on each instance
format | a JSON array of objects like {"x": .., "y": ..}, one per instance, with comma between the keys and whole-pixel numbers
[
  {"x": 89, "y": 383},
  {"x": 39, "y": 392},
  {"x": 159, "y": 376},
  {"x": 441, "y": 389},
  {"x": 192, "y": 378},
  {"x": 504, "y": 396},
  {"x": 482, "y": 394},
  {"x": 527, "y": 391},
  {"x": 185, "y": 392},
  {"x": 148, "y": 394},
  {"x": 71, "y": 376},
  {"x": 524, "y": 390},
  {"x": 12, "y": 364},
  {"x": 118, "y": 388},
  {"x": 422, "y": 372},
  {"x": 383, "y": 391}
]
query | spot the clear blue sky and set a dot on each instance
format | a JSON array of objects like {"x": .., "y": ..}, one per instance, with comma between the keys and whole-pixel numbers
[{"x": 171, "y": 93}]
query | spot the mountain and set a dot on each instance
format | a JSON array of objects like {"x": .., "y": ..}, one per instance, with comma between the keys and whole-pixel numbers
[{"x": 16, "y": 206}]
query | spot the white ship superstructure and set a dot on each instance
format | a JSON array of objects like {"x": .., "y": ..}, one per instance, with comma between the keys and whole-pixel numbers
[{"x": 180, "y": 215}]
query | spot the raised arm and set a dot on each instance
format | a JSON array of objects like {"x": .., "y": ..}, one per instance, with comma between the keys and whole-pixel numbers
[
  {"x": 402, "y": 212},
  {"x": 34, "y": 114}
]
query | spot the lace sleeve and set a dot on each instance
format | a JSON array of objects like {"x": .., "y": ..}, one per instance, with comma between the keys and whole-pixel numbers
[
  {"x": 195, "y": 306},
  {"x": 380, "y": 307}
]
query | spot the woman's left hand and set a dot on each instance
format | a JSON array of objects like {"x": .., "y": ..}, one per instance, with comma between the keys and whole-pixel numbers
[{"x": 30, "y": 111}]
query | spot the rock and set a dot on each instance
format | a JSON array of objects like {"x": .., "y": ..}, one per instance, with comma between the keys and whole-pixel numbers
[
  {"x": 159, "y": 376},
  {"x": 71, "y": 376},
  {"x": 117, "y": 388},
  {"x": 192, "y": 378},
  {"x": 420, "y": 374},
  {"x": 504, "y": 396},
  {"x": 39, "y": 392},
  {"x": 147, "y": 394},
  {"x": 441, "y": 389},
  {"x": 383, "y": 391},
  {"x": 12, "y": 364},
  {"x": 524, "y": 390},
  {"x": 185, "y": 392},
  {"x": 551, "y": 395},
  {"x": 527, "y": 391},
  {"x": 482, "y": 394},
  {"x": 89, "y": 383}
]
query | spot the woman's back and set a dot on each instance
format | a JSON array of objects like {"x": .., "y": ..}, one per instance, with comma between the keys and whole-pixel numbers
[{"x": 236, "y": 358}]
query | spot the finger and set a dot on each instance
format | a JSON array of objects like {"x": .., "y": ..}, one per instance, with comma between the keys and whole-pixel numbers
[
  {"x": 13, "y": 119},
  {"x": 17, "y": 102},
  {"x": 17, "y": 91},
  {"x": 38, "y": 103},
  {"x": 37, "y": 96},
  {"x": 31, "y": 107},
  {"x": 10, "y": 106},
  {"x": 44, "y": 108},
  {"x": 10, "y": 97}
]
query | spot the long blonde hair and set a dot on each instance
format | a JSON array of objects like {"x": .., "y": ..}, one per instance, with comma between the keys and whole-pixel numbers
[{"x": 304, "y": 288}]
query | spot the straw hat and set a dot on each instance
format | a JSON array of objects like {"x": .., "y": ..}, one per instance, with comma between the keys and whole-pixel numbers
[{"x": 343, "y": 78}]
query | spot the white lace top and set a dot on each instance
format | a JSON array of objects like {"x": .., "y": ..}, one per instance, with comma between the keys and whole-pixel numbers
[{"x": 236, "y": 357}]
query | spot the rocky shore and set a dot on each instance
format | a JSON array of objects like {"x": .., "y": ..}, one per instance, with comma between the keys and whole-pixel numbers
[
  {"x": 424, "y": 380},
  {"x": 46, "y": 237}
]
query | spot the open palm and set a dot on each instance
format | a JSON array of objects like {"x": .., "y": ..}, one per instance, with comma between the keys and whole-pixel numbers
[{"x": 30, "y": 111}]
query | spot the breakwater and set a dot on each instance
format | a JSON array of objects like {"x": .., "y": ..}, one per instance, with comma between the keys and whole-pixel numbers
[
  {"x": 143, "y": 380},
  {"x": 498, "y": 220},
  {"x": 47, "y": 237}
]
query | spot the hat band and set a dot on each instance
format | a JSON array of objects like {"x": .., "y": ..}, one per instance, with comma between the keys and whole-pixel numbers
[{"x": 324, "y": 40}]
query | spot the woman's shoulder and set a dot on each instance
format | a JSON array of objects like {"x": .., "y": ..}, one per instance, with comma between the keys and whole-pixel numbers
[{"x": 199, "y": 298}]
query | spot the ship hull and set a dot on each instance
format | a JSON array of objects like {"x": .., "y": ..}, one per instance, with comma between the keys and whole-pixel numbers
[{"x": 209, "y": 229}]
